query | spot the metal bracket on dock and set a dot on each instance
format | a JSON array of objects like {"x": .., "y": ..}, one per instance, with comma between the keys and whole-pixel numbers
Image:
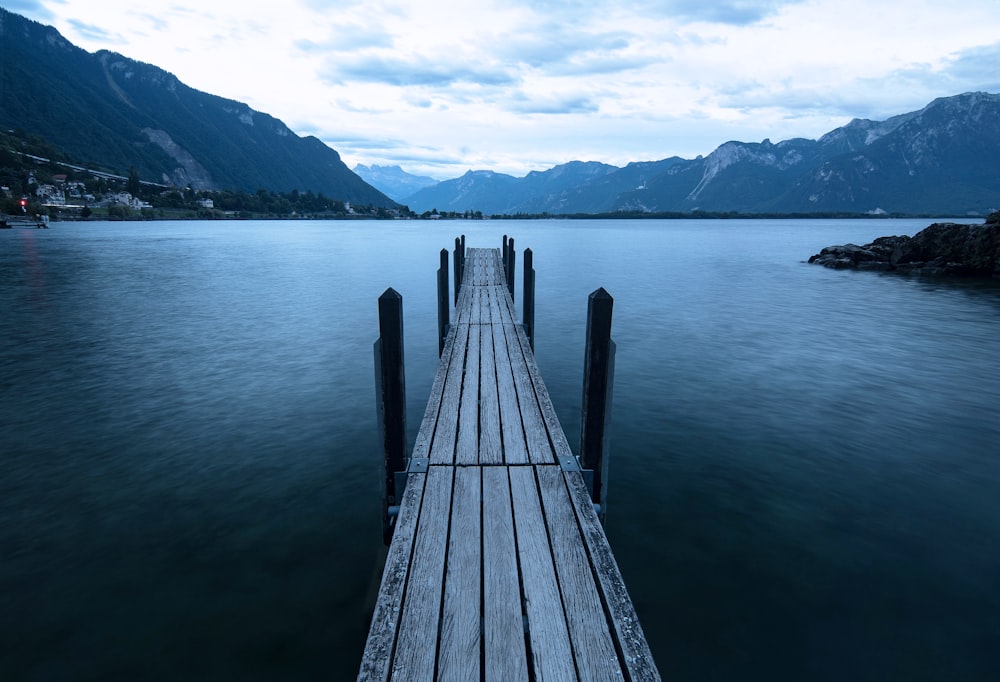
[
  {"x": 569, "y": 463},
  {"x": 417, "y": 465},
  {"x": 572, "y": 463},
  {"x": 588, "y": 480}
]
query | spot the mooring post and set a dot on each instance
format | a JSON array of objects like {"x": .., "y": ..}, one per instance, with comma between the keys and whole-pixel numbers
[
  {"x": 443, "y": 308},
  {"x": 390, "y": 398},
  {"x": 458, "y": 267},
  {"x": 503, "y": 256},
  {"x": 511, "y": 256},
  {"x": 598, "y": 379},
  {"x": 528, "y": 294}
]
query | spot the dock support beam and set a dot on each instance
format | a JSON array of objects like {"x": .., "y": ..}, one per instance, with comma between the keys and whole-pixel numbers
[
  {"x": 443, "y": 306},
  {"x": 390, "y": 398},
  {"x": 598, "y": 379},
  {"x": 528, "y": 293}
]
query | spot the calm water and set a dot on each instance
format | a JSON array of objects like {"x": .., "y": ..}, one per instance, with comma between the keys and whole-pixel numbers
[{"x": 804, "y": 482}]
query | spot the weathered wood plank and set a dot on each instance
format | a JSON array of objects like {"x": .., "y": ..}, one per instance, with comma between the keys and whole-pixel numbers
[
  {"x": 417, "y": 644},
  {"x": 627, "y": 631},
  {"x": 557, "y": 436},
  {"x": 490, "y": 444},
  {"x": 464, "y": 308},
  {"x": 470, "y": 268},
  {"x": 499, "y": 305},
  {"x": 422, "y": 445},
  {"x": 459, "y": 658},
  {"x": 504, "y": 652},
  {"x": 514, "y": 449},
  {"x": 467, "y": 447},
  {"x": 593, "y": 648},
  {"x": 475, "y": 305},
  {"x": 495, "y": 269},
  {"x": 501, "y": 272},
  {"x": 487, "y": 271},
  {"x": 473, "y": 265},
  {"x": 551, "y": 652},
  {"x": 506, "y": 304},
  {"x": 377, "y": 660},
  {"x": 445, "y": 433},
  {"x": 535, "y": 434}
]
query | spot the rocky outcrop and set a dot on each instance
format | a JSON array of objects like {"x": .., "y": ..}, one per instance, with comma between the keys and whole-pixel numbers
[{"x": 940, "y": 249}]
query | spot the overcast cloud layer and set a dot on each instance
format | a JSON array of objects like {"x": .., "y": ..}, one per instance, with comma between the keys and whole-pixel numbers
[{"x": 518, "y": 85}]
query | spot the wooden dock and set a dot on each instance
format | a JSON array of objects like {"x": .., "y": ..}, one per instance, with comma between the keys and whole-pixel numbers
[{"x": 498, "y": 568}]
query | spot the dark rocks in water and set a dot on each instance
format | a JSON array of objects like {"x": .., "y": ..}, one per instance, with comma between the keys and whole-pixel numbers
[{"x": 940, "y": 249}]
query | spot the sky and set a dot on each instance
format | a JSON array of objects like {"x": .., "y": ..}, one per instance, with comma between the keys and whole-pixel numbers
[{"x": 440, "y": 88}]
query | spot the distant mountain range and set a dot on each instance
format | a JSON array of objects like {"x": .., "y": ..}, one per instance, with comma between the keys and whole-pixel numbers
[
  {"x": 939, "y": 160},
  {"x": 393, "y": 180},
  {"x": 106, "y": 111}
]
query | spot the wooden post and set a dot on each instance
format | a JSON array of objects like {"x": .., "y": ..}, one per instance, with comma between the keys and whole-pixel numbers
[
  {"x": 458, "y": 267},
  {"x": 528, "y": 294},
  {"x": 443, "y": 307},
  {"x": 598, "y": 378},
  {"x": 390, "y": 397},
  {"x": 509, "y": 265},
  {"x": 503, "y": 256}
]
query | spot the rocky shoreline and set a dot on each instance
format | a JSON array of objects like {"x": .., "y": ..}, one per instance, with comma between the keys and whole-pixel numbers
[{"x": 939, "y": 249}]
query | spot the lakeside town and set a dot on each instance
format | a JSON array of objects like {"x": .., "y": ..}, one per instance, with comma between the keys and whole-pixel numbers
[{"x": 35, "y": 185}]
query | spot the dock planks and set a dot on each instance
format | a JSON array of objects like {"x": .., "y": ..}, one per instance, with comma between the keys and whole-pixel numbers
[{"x": 499, "y": 568}]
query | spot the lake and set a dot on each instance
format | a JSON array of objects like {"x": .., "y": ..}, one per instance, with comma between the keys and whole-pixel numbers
[{"x": 804, "y": 466}]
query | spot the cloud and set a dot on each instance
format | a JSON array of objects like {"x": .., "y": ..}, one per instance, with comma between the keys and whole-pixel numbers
[
  {"x": 92, "y": 32},
  {"x": 913, "y": 86},
  {"x": 732, "y": 12},
  {"x": 976, "y": 68},
  {"x": 524, "y": 104},
  {"x": 579, "y": 55},
  {"x": 367, "y": 142},
  {"x": 370, "y": 110},
  {"x": 419, "y": 71},
  {"x": 29, "y": 8},
  {"x": 346, "y": 41},
  {"x": 555, "y": 43},
  {"x": 156, "y": 22},
  {"x": 729, "y": 12}
]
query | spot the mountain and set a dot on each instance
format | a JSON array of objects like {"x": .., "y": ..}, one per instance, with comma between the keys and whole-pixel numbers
[
  {"x": 596, "y": 195},
  {"x": 496, "y": 193},
  {"x": 484, "y": 191},
  {"x": 105, "y": 110},
  {"x": 936, "y": 160},
  {"x": 939, "y": 160},
  {"x": 393, "y": 181}
]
